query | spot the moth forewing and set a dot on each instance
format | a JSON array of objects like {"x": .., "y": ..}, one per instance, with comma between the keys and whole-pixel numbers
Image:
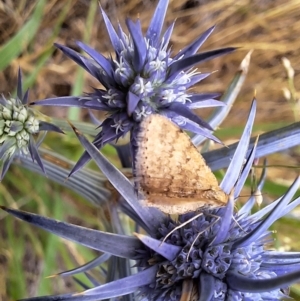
[{"x": 170, "y": 173}]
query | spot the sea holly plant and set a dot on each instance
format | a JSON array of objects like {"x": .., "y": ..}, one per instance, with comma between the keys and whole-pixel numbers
[
  {"x": 141, "y": 78},
  {"x": 210, "y": 254},
  {"x": 218, "y": 254},
  {"x": 18, "y": 127}
]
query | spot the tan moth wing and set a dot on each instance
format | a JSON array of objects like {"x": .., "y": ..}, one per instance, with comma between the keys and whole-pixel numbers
[{"x": 170, "y": 172}]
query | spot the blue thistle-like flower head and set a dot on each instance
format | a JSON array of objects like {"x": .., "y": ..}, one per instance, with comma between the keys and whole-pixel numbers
[
  {"x": 143, "y": 78},
  {"x": 211, "y": 254},
  {"x": 18, "y": 126}
]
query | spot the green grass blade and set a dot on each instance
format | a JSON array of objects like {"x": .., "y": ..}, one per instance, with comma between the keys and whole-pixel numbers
[
  {"x": 73, "y": 113},
  {"x": 45, "y": 55},
  {"x": 26, "y": 34}
]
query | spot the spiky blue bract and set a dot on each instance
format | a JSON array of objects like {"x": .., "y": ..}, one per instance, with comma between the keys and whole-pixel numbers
[
  {"x": 143, "y": 78},
  {"x": 18, "y": 126},
  {"x": 210, "y": 254}
]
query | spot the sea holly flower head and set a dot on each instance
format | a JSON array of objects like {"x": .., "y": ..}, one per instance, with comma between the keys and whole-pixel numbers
[
  {"x": 18, "y": 126},
  {"x": 207, "y": 254},
  {"x": 142, "y": 78}
]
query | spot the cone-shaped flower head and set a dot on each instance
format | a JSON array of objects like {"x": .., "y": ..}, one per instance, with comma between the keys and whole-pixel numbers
[
  {"x": 18, "y": 125},
  {"x": 143, "y": 78},
  {"x": 210, "y": 254}
]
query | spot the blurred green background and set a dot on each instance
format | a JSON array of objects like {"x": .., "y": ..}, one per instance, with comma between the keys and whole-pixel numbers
[{"x": 27, "y": 32}]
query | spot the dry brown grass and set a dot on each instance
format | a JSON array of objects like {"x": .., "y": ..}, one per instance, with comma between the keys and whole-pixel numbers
[{"x": 271, "y": 28}]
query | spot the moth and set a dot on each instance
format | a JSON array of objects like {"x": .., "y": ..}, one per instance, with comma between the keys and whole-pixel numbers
[{"x": 170, "y": 173}]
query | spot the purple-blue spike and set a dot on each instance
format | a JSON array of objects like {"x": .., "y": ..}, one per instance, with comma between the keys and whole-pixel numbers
[
  {"x": 225, "y": 222},
  {"x": 195, "y": 45},
  {"x": 5, "y": 146},
  {"x": 19, "y": 86},
  {"x": 166, "y": 250},
  {"x": 73, "y": 55},
  {"x": 6, "y": 163},
  {"x": 118, "y": 245},
  {"x": 196, "y": 79},
  {"x": 237, "y": 162},
  {"x": 99, "y": 58},
  {"x": 156, "y": 23},
  {"x": 46, "y": 126},
  {"x": 140, "y": 49},
  {"x": 64, "y": 297},
  {"x": 269, "y": 143},
  {"x": 268, "y": 221},
  {"x": 35, "y": 154},
  {"x": 115, "y": 40},
  {"x": 82, "y": 61},
  {"x": 167, "y": 35},
  {"x": 123, "y": 286},
  {"x": 203, "y": 96},
  {"x": 109, "y": 136},
  {"x": 245, "y": 172},
  {"x": 238, "y": 282},
  {"x": 132, "y": 102},
  {"x": 64, "y": 101},
  {"x": 209, "y": 103},
  {"x": 83, "y": 160},
  {"x": 25, "y": 97},
  {"x": 195, "y": 59},
  {"x": 182, "y": 110},
  {"x": 195, "y": 128},
  {"x": 289, "y": 207},
  {"x": 87, "y": 266}
]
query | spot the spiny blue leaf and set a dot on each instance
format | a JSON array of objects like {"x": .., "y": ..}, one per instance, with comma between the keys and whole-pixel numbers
[{"x": 118, "y": 245}]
